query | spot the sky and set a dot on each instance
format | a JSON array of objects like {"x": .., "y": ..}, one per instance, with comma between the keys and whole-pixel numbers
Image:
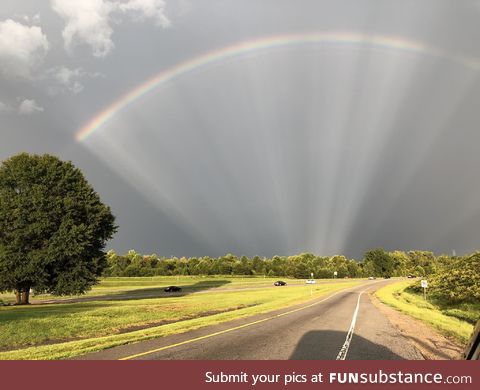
[{"x": 251, "y": 127}]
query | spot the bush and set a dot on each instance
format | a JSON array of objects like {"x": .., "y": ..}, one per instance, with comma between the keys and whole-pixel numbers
[
  {"x": 468, "y": 316},
  {"x": 459, "y": 281}
]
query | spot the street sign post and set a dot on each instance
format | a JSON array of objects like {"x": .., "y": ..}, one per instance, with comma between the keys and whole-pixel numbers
[
  {"x": 424, "y": 285},
  {"x": 335, "y": 273}
]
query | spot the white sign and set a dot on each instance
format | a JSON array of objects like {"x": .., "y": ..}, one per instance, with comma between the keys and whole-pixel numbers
[
  {"x": 311, "y": 274},
  {"x": 335, "y": 273},
  {"x": 424, "y": 283}
]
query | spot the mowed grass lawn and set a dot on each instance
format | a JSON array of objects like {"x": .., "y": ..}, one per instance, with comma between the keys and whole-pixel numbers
[
  {"x": 116, "y": 286},
  {"x": 100, "y": 324},
  {"x": 451, "y": 320}
]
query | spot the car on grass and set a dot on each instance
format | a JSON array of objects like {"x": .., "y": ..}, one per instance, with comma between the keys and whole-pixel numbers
[
  {"x": 172, "y": 289},
  {"x": 311, "y": 281},
  {"x": 372, "y": 278},
  {"x": 411, "y": 276},
  {"x": 280, "y": 283}
]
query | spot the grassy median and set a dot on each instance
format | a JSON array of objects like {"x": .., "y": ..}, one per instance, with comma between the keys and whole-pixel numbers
[
  {"x": 451, "y": 320},
  {"x": 101, "y": 324},
  {"x": 116, "y": 287}
]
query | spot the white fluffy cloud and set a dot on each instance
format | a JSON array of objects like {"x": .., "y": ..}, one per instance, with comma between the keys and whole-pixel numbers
[
  {"x": 152, "y": 9},
  {"x": 35, "y": 19},
  {"x": 66, "y": 79},
  {"x": 28, "y": 106},
  {"x": 22, "y": 48},
  {"x": 22, "y": 107},
  {"x": 90, "y": 21},
  {"x": 86, "y": 21},
  {"x": 69, "y": 78}
]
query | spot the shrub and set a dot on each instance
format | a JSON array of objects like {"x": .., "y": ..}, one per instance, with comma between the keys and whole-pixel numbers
[
  {"x": 459, "y": 281},
  {"x": 468, "y": 316}
]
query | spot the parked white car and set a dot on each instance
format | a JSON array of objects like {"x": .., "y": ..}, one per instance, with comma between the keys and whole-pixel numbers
[{"x": 311, "y": 281}]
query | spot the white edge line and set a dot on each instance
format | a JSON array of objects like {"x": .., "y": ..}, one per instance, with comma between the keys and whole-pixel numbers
[{"x": 346, "y": 345}]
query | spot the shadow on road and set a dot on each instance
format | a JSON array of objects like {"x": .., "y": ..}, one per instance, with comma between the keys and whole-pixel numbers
[
  {"x": 317, "y": 345},
  {"x": 142, "y": 293}
]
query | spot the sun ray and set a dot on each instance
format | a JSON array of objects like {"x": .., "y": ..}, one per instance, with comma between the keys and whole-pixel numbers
[{"x": 353, "y": 90}]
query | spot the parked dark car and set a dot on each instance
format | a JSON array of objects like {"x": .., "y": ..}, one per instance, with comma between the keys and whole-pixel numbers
[
  {"x": 411, "y": 276},
  {"x": 280, "y": 283},
  {"x": 172, "y": 289},
  {"x": 387, "y": 277}
]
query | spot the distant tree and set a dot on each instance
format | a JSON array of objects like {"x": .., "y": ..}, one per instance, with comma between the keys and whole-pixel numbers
[
  {"x": 277, "y": 265},
  {"x": 301, "y": 271},
  {"x": 204, "y": 267},
  {"x": 192, "y": 266},
  {"x": 258, "y": 265},
  {"x": 444, "y": 261},
  {"x": 423, "y": 260},
  {"x": 339, "y": 264},
  {"x": 354, "y": 270},
  {"x": 53, "y": 227},
  {"x": 116, "y": 264},
  {"x": 379, "y": 262},
  {"x": 135, "y": 258},
  {"x": 181, "y": 266}
]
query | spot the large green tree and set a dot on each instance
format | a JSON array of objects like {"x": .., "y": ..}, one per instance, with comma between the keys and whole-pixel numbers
[
  {"x": 379, "y": 262},
  {"x": 53, "y": 227}
]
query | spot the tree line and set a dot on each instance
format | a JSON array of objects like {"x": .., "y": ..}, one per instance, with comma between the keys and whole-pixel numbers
[
  {"x": 453, "y": 278},
  {"x": 376, "y": 262}
]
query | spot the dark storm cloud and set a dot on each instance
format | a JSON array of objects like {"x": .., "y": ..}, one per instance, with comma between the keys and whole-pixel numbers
[{"x": 308, "y": 148}]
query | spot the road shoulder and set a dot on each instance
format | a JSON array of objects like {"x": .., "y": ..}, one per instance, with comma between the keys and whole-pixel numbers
[{"x": 431, "y": 344}]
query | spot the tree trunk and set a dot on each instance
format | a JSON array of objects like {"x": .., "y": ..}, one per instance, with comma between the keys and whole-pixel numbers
[
  {"x": 22, "y": 296},
  {"x": 26, "y": 296}
]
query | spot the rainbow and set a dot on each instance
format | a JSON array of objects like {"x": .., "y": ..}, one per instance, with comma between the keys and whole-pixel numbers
[{"x": 377, "y": 41}]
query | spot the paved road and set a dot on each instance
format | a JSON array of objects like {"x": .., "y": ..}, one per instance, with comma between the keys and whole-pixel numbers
[{"x": 342, "y": 325}]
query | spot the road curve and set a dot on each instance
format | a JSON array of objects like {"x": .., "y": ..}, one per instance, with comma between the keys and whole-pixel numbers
[{"x": 343, "y": 325}]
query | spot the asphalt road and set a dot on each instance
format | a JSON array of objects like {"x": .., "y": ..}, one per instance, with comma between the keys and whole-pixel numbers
[{"x": 342, "y": 325}]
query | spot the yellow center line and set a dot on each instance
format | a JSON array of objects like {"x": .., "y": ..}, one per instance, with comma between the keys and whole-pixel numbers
[{"x": 234, "y": 328}]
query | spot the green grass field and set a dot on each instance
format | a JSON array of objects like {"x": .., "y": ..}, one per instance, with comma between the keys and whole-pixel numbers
[
  {"x": 451, "y": 320},
  {"x": 143, "y": 285},
  {"x": 102, "y": 323}
]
